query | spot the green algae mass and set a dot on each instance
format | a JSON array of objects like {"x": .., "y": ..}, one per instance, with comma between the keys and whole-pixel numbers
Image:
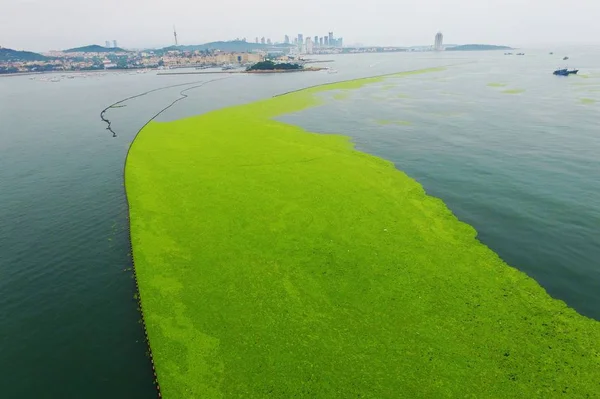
[
  {"x": 276, "y": 262},
  {"x": 513, "y": 91},
  {"x": 588, "y": 101},
  {"x": 497, "y": 84}
]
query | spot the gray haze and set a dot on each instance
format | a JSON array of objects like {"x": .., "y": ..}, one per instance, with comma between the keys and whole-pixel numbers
[{"x": 42, "y": 25}]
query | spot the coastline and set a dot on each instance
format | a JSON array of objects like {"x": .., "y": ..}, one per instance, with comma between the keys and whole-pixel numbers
[
  {"x": 210, "y": 364},
  {"x": 309, "y": 69},
  {"x": 112, "y": 70}
]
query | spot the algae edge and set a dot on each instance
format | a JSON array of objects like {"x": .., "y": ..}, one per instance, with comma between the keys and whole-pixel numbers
[{"x": 295, "y": 102}]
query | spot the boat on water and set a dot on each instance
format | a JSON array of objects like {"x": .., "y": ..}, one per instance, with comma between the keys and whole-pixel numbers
[
  {"x": 565, "y": 72},
  {"x": 508, "y": 53},
  {"x": 520, "y": 53},
  {"x": 565, "y": 58},
  {"x": 551, "y": 53}
]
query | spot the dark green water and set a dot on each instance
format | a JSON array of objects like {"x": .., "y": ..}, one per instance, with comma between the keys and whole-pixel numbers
[{"x": 522, "y": 168}]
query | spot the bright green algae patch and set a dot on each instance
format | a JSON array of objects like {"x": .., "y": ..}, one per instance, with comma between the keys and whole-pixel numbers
[
  {"x": 275, "y": 262},
  {"x": 493, "y": 84},
  {"x": 513, "y": 91},
  {"x": 588, "y": 101}
]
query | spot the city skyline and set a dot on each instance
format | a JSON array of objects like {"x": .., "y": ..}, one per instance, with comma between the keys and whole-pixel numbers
[{"x": 148, "y": 24}]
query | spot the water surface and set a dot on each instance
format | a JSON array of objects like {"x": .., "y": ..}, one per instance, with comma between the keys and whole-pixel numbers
[{"x": 520, "y": 166}]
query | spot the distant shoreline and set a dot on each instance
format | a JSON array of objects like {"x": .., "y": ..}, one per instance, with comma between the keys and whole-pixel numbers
[
  {"x": 112, "y": 70},
  {"x": 309, "y": 69}
]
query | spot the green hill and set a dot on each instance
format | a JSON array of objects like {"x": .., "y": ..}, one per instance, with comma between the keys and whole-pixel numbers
[
  {"x": 477, "y": 47},
  {"x": 94, "y": 48},
  {"x": 7, "y": 54}
]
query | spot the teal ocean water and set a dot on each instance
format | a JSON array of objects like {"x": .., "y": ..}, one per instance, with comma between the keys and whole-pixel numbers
[{"x": 511, "y": 149}]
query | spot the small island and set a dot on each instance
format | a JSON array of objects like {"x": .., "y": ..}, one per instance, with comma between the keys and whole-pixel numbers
[
  {"x": 477, "y": 47},
  {"x": 272, "y": 67}
]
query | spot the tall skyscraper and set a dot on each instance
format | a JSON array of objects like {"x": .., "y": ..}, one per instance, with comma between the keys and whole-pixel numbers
[
  {"x": 115, "y": 44},
  {"x": 340, "y": 42},
  {"x": 262, "y": 40},
  {"x": 330, "y": 35},
  {"x": 107, "y": 44},
  {"x": 320, "y": 42},
  {"x": 269, "y": 41},
  {"x": 316, "y": 41},
  {"x": 300, "y": 39},
  {"x": 286, "y": 40},
  {"x": 439, "y": 42},
  {"x": 256, "y": 40},
  {"x": 295, "y": 41},
  {"x": 326, "y": 41},
  {"x": 309, "y": 45}
]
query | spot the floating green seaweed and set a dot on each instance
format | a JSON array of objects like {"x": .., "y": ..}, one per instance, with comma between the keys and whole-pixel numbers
[
  {"x": 513, "y": 91},
  {"x": 588, "y": 101},
  {"x": 275, "y": 262},
  {"x": 493, "y": 84}
]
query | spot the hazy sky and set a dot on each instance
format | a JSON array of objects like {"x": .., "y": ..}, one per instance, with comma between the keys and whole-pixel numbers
[{"x": 42, "y": 25}]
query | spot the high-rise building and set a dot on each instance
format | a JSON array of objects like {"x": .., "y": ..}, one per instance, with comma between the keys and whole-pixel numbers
[
  {"x": 115, "y": 44},
  {"x": 256, "y": 40},
  {"x": 295, "y": 41},
  {"x": 326, "y": 41},
  {"x": 286, "y": 39},
  {"x": 107, "y": 44},
  {"x": 316, "y": 41},
  {"x": 269, "y": 42},
  {"x": 309, "y": 45},
  {"x": 300, "y": 39},
  {"x": 340, "y": 42},
  {"x": 439, "y": 42},
  {"x": 320, "y": 42},
  {"x": 262, "y": 40},
  {"x": 330, "y": 35}
]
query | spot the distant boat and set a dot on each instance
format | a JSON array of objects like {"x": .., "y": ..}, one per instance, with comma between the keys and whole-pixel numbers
[
  {"x": 551, "y": 53},
  {"x": 520, "y": 53},
  {"x": 565, "y": 72},
  {"x": 565, "y": 58},
  {"x": 508, "y": 53}
]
